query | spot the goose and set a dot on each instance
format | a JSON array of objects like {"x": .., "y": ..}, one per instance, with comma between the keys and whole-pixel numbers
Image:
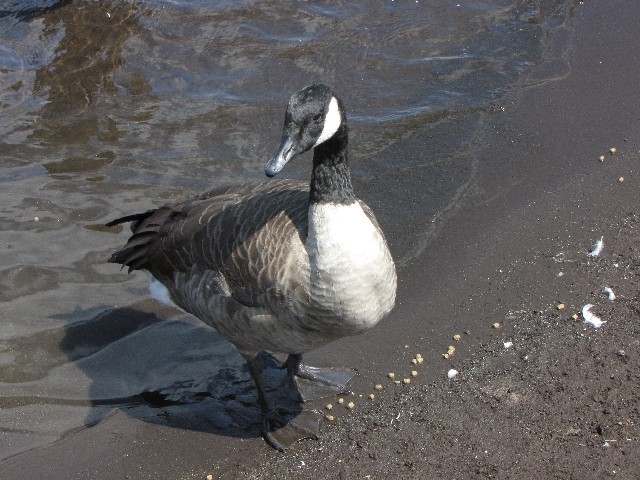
[{"x": 281, "y": 266}]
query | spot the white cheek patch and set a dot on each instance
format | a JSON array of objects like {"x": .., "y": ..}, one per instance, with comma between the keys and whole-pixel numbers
[{"x": 332, "y": 122}]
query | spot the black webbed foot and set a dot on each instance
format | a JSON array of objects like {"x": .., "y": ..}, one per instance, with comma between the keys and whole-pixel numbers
[
  {"x": 281, "y": 433},
  {"x": 316, "y": 382},
  {"x": 281, "y": 428}
]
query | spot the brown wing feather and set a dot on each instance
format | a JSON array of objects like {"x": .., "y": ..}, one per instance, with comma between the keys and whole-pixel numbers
[{"x": 223, "y": 231}]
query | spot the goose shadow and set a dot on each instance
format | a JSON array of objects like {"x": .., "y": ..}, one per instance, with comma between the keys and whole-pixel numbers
[{"x": 173, "y": 372}]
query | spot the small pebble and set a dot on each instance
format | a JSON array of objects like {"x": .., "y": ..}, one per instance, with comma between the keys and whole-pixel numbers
[
  {"x": 391, "y": 375},
  {"x": 414, "y": 361},
  {"x": 209, "y": 477},
  {"x": 560, "y": 306},
  {"x": 414, "y": 373},
  {"x": 601, "y": 158},
  {"x": 340, "y": 400},
  {"x": 445, "y": 355},
  {"x": 397, "y": 382},
  {"x": 331, "y": 418},
  {"x": 457, "y": 337},
  {"x": 372, "y": 396},
  {"x": 36, "y": 219},
  {"x": 328, "y": 406},
  {"x": 507, "y": 344},
  {"x": 451, "y": 349},
  {"x": 378, "y": 386},
  {"x": 420, "y": 360},
  {"x": 621, "y": 179},
  {"x": 496, "y": 325},
  {"x": 575, "y": 316},
  {"x": 350, "y": 405},
  {"x": 452, "y": 373},
  {"x": 406, "y": 381},
  {"x": 613, "y": 150}
]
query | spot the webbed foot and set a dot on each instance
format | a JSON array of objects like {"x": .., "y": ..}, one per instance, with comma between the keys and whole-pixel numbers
[
  {"x": 315, "y": 382},
  {"x": 280, "y": 428},
  {"x": 281, "y": 433}
]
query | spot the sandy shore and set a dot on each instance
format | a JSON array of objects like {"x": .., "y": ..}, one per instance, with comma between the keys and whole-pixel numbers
[{"x": 561, "y": 402}]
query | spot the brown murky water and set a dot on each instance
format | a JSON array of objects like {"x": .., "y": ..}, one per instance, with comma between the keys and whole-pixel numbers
[{"x": 112, "y": 107}]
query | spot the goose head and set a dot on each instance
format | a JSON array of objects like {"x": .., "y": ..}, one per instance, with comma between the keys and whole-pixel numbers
[{"x": 313, "y": 116}]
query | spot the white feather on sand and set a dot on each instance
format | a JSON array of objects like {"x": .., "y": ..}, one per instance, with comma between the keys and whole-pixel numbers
[
  {"x": 609, "y": 292},
  {"x": 590, "y": 317},
  {"x": 597, "y": 248}
]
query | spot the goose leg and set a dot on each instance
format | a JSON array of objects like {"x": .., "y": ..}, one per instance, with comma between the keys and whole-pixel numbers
[
  {"x": 276, "y": 430},
  {"x": 292, "y": 364}
]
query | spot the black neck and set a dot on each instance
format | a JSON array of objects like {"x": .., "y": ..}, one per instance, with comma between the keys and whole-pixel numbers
[{"x": 331, "y": 178}]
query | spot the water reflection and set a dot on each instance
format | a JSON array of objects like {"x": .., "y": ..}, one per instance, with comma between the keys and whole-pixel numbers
[
  {"x": 90, "y": 50},
  {"x": 28, "y": 10}
]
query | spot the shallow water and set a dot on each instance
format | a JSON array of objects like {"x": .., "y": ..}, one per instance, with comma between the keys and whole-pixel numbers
[{"x": 109, "y": 108}]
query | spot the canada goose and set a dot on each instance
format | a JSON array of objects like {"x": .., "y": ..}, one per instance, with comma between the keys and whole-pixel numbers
[{"x": 277, "y": 265}]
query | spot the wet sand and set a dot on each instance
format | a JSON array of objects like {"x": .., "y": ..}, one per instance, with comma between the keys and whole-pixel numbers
[{"x": 548, "y": 405}]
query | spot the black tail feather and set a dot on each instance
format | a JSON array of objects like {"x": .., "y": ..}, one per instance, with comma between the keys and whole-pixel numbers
[
  {"x": 133, "y": 255},
  {"x": 136, "y": 217}
]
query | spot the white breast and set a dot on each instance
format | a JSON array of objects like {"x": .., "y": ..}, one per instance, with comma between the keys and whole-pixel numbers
[{"x": 352, "y": 272}]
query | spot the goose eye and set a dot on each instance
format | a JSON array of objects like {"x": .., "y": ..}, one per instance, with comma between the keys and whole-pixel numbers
[{"x": 317, "y": 117}]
